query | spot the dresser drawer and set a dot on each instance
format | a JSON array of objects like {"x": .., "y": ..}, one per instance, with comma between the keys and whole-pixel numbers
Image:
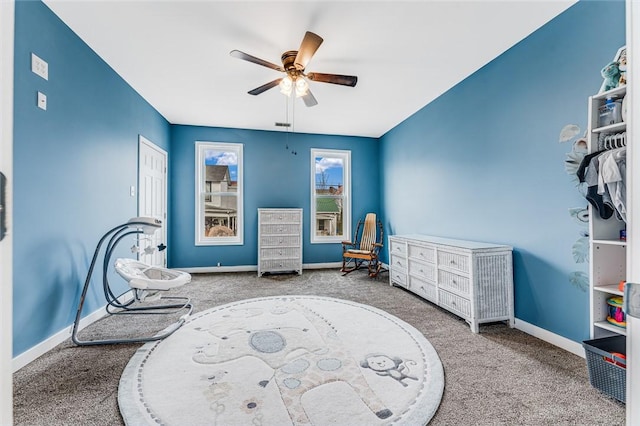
[
  {"x": 279, "y": 229},
  {"x": 455, "y": 303},
  {"x": 427, "y": 254},
  {"x": 280, "y": 217},
  {"x": 453, "y": 260},
  {"x": 280, "y": 253},
  {"x": 280, "y": 265},
  {"x": 425, "y": 271},
  {"x": 398, "y": 277},
  {"x": 279, "y": 241},
  {"x": 455, "y": 283},
  {"x": 398, "y": 262},
  {"x": 398, "y": 248},
  {"x": 423, "y": 289}
]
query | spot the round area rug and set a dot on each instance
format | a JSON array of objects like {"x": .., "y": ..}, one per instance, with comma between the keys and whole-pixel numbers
[{"x": 301, "y": 360}]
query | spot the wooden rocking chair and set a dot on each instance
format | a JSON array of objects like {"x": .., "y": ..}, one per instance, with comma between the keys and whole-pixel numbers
[{"x": 366, "y": 248}]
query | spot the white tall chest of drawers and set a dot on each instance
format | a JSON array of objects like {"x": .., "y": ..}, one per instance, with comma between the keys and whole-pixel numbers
[
  {"x": 471, "y": 279},
  {"x": 279, "y": 240}
]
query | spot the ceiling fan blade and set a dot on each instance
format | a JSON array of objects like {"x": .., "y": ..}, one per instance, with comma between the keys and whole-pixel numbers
[
  {"x": 265, "y": 87},
  {"x": 309, "y": 99},
  {"x": 308, "y": 47},
  {"x": 344, "y": 80},
  {"x": 245, "y": 56}
]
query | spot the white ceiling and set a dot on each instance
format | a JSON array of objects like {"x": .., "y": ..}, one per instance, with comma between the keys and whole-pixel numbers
[{"x": 405, "y": 54}]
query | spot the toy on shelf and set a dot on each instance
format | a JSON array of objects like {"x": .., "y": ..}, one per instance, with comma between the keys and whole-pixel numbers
[{"x": 616, "y": 314}]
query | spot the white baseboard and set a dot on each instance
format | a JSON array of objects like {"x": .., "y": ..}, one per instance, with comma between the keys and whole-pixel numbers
[
  {"x": 209, "y": 269},
  {"x": 32, "y": 354},
  {"x": 40, "y": 349},
  {"x": 250, "y": 268},
  {"x": 555, "y": 339},
  {"x": 322, "y": 265}
]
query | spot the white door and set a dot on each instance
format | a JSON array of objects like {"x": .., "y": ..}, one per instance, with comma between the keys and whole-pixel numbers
[
  {"x": 633, "y": 183},
  {"x": 152, "y": 198},
  {"x": 6, "y": 245}
]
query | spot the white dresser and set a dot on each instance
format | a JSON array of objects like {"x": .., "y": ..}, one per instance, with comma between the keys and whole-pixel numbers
[
  {"x": 279, "y": 240},
  {"x": 471, "y": 279}
]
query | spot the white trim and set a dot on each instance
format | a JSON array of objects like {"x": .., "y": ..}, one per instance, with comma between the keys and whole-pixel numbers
[
  {"x": 549, "y": 337},
  {"x": 40, "y": 349},
  {"x": 325, "y": 265},
  {"x": 345, "y": 155},
  {"x": 144, "y": 141},
  {"x": 633, "y": 206},
  {"x": 7, "y": 27},
  {"x": 252, "y": 268},
  {"x": 200, "y": 239}
]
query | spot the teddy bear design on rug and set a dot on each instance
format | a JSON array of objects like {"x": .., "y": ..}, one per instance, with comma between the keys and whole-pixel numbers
[
  {"x": 393, "y": 367},
  {"x": 611, "y": 74}
]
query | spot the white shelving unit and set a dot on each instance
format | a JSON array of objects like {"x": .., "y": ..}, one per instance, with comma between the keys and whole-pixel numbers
[{"x": 608, "y": 252}]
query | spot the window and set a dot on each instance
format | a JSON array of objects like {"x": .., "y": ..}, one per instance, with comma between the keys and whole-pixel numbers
[
  {"x": 330, "y": 195},
  {"x": 219, "y": 193}
]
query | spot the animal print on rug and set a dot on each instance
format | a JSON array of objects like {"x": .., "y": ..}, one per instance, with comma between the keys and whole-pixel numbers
[{"x": 298, "y": 360}]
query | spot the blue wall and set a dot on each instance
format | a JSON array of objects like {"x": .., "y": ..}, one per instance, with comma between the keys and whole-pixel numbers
[
  {"x": 483, "y": 162},
  {"x": 273, "y": 177},
  {"x": 73, "y": 166}
]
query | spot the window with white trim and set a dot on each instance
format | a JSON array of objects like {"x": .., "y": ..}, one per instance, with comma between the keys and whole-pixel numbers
[
  {"x": 219, "y": 194},
  {"x": 330, "y": 195}
]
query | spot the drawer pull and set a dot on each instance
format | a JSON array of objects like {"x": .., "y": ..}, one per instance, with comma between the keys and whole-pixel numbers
[
  {"x": 453, "y": 262},
  {"x": 422, "y": 271},
  {"x": 454, "y": 281}
]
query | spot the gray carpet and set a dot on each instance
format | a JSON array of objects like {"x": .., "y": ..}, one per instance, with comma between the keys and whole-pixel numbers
[{"x": 498, "y": 377}]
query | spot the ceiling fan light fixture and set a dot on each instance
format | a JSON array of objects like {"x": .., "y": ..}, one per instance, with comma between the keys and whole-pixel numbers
[
  {"x": 286, "y": 85},
  {"x": 302, "y": 87}
]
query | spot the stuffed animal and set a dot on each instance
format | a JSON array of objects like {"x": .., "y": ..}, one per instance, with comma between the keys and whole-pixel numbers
[{"x": 611, "y": 74}]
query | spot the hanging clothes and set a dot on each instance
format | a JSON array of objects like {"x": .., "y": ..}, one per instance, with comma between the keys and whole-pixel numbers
[{"x": 604, "y": 173}]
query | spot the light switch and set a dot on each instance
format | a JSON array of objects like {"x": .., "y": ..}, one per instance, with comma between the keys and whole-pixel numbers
[
  {"x": 42, "y": 101},
  {"x": 132, "y": 191},
  {"x": 39, "y": 66}
]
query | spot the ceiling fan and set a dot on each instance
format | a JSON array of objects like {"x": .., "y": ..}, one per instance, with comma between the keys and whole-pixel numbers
[{"x": 294, "y": 63}]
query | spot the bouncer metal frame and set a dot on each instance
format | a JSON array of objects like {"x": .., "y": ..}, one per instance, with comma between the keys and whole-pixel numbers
[{"x": 115, "y": 305}]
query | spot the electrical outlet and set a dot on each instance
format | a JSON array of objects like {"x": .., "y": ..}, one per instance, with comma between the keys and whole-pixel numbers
[
  {"x": 39, "y": 66},
  {"x": 42, "y": 101}
]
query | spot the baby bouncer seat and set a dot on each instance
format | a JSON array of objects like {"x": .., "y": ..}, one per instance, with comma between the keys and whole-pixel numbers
[{"x": 146, "y": 284}]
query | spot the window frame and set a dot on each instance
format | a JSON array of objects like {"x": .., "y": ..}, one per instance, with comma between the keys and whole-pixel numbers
[
  {"x": 345, "y": 155},
  {"x": 200, "y": 193}
]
